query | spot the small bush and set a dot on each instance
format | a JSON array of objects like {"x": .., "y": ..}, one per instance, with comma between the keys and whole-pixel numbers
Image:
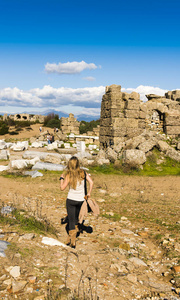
[
  {"x": 4, "y": 129},
  {"x": 53, "y": 123},
  {"x": 19, "y": 129},
  {"x": 22, "y": 124},
  {"x": 130, "y": 167},
  {"x": 88, "y": 126},
  {"x": 13, "y": 132}
]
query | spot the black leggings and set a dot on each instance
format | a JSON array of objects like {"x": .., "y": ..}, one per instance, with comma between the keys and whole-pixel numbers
[{"x": 73, "y": 209}]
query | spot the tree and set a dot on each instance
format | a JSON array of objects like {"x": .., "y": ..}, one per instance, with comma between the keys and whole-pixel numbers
[
  {"x": 88, "y": 126},
  {"x": 52, "y": 120}
]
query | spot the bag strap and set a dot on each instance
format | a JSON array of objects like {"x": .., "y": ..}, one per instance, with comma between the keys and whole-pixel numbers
[{"x": 85, "y": 186}]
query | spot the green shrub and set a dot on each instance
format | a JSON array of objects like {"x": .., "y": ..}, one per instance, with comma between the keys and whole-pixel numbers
[
  {"x": 53, "y": 123},
  {"x": 13, "y": 132},
  {"x": 88, "y": 126},
  {"x": 51, "y": 117},
  {"x": 4, "y": 128},
  {"x": 22, "y": 124}
]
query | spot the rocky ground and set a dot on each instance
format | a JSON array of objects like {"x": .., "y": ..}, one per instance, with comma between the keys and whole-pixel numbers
[{"x": 131, "y": 251}]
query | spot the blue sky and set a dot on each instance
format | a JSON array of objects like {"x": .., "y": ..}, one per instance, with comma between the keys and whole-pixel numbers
[{"x": 62, "y": 54}]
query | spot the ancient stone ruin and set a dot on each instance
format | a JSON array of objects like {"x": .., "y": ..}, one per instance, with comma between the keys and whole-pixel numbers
[
  {"x": 25, "y": 117},
  {"x": 124, "y": 116},
  {"x": 70, "y": 125}
]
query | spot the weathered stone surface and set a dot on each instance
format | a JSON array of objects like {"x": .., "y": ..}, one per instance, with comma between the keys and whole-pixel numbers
[
  {"x": 18, "y": 286},
  {"x": 132, "y": 114},
  {"x": 147, "y": 145},
  {"x": 54, "y": 159},
  {"x": 48, "y": 166},
  {"x": 132, "y": 278},
  {"x": 33, "y": 154},
  {"x": 4, "y": 155},
  {"x": 138, "y": 262},
  {"x": 69, "y": 125},
  {"x": 132, "y": 105},
  {"x": 172, "y": 120},
  {"x": 134, "y": 156},
  {"x": 36, "y": 144},
  {"x": 27, "y": 236},
  {"x": 3, "y": 246},
  {"x": 163, "y": 146},
  {"x": 2, "y": 144},
  {"x": 172, "y": 153},
  {"x": 15, "y": 272},
  {"x": 111, "y": 154},
  {"x": 161, "y": 287},
  {"x": 4, "y": 168},
  {"x": 23, "y": 163},
  {"x": 135, "y": 142},
  {"x": 172, "y": 130},
  {"x": 101, "y": 158},
  {"x": 124, "y": 115}
]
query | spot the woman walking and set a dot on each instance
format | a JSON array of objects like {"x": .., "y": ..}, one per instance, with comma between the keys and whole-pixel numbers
[{"x": 74, "y": 178}]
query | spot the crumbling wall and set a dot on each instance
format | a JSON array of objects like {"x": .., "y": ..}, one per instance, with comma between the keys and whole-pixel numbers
[
  {"x": 25, "y": 117},
  {"x": 124, "y": 115},
  {"x": 70, "y": 125}
]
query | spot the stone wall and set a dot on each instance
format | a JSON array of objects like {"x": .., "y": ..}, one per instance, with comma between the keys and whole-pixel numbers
[
  {"x": 70, "y": 125},
  {"x": 124, "y": 115},
  {"x": 25, "y": 117}
]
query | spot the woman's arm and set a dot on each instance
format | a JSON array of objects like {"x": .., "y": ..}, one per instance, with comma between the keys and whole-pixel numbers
[
  {"x": 89, "y": 179},
  {"x": 64, "y": 183}
]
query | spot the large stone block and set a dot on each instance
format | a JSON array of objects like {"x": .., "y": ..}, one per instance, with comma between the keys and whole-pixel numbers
[
  {"x": 134, "y": 142},
  {"x": 172, "y": 130},
  {"x": 174, "y": 95},
  {"x": 142, "y": 114},
  {"x": 119, "y": 123},
  {"x": 134, "y": 96},
  {"x": 132, "y": 104},
  {"x": 141, "y": 124},
  {"x": 119, "y": 132},
  {"x": 172, "y": 153},
  {"x": 133, "y": 114},
  {"x": 117, "y": 113},
  {"x": 106, "y": 122},
  {"x": 113, "y": 97},
  {"x": 125, "y": 96},
  {"x": 131, "y": 132},
  {"x": 114, "y": 88},
  {"x": 134, "y": 156},
  {"x": 172, "y": 120},
  {"x": 147, "y": 145}
]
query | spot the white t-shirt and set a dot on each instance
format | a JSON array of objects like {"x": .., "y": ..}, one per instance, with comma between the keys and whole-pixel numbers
[{"x": 78, "y": 193}]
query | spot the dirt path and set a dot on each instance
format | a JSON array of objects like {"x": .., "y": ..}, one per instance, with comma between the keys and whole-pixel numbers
[
  {"x": 127, "y": 253},
  {"x": 118, "y": 257}
]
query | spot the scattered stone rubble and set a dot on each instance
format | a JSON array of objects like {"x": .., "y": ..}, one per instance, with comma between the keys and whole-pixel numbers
[{"x": 134, "y": 269}]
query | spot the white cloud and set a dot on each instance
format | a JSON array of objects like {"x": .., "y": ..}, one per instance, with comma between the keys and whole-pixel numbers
[
  {"x": 145, "y": 90},
  {"x": 52, "y": 97},
  {"x": 80, "y": 100},
  {"x": 89, "y": 78},
  {"x": 69, "y": 67},
  {"x": 17, "y": 97}
]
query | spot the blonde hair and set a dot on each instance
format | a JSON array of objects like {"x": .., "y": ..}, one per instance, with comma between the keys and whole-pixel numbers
[{"x": 74, "y": 172}]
